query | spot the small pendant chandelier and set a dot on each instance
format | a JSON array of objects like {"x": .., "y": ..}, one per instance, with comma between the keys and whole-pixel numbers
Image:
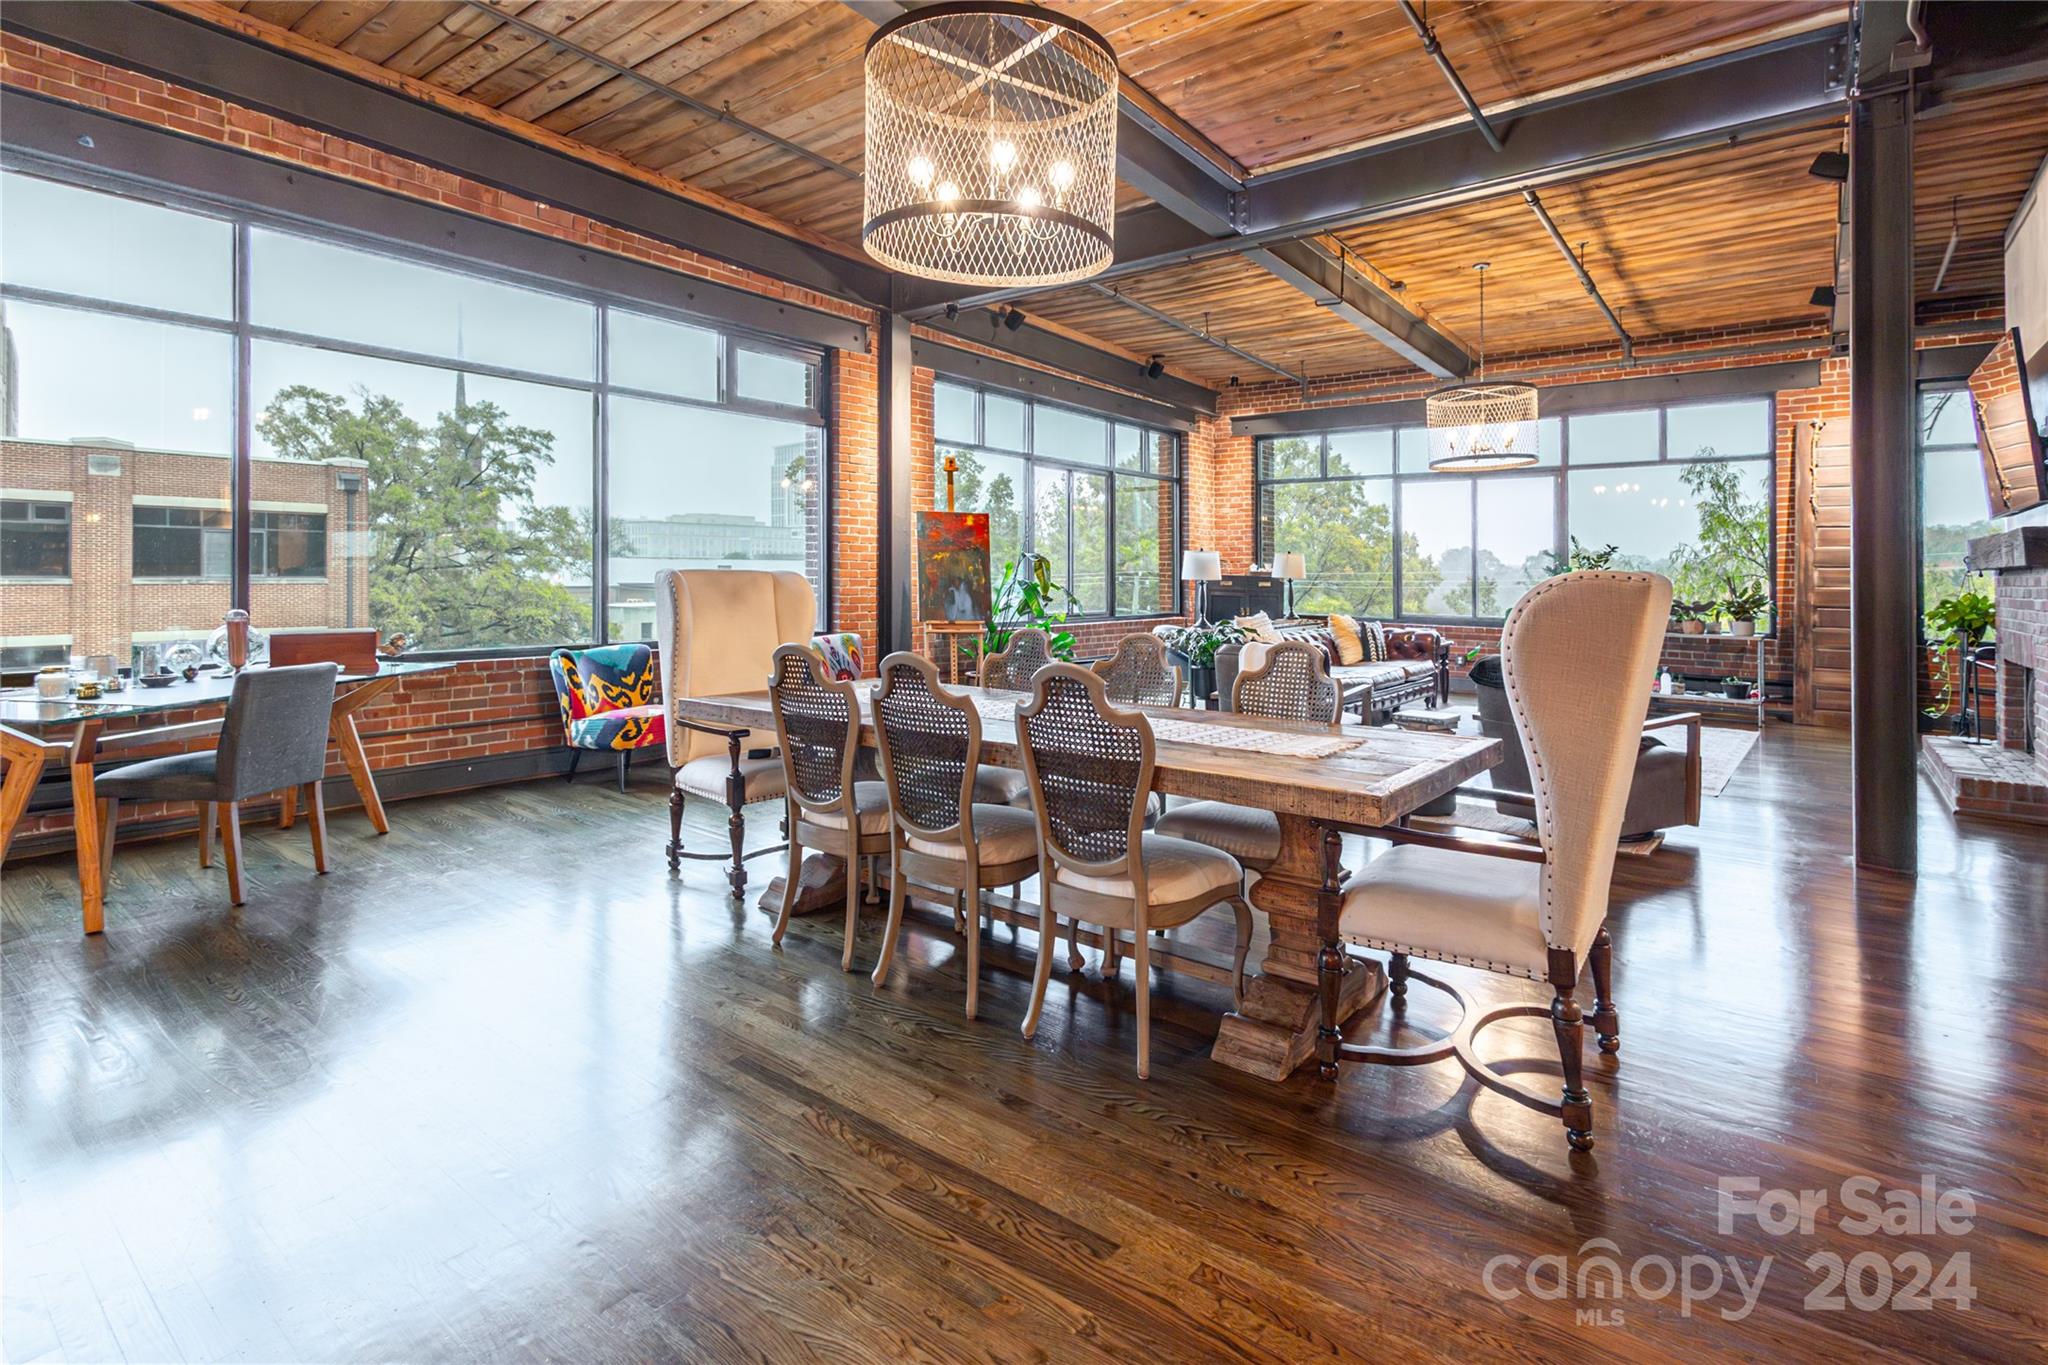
[
  {"x": 991, "y": 145},
  {"x": 1479, "y": 427}
]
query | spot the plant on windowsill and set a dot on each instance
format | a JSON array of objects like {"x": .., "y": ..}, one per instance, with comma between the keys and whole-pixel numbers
[
  {"x": 1025, "y": 595},
  {"x": 1956, "y": 625},
  {"x": 1689, "y": 617},
  {"x": 1744, "y": 605},
  {"x": 1582, "y": 558}
]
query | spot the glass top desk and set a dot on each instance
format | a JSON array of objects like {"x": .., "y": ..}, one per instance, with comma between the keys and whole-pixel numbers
[{"x": 34, "y": 732}]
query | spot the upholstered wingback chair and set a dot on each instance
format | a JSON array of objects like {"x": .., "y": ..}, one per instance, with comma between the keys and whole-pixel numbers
[
  {"x": 606, "y": 696},
  {"x": 718, "y": 630},
  {"x": 1577, "y": 654}
]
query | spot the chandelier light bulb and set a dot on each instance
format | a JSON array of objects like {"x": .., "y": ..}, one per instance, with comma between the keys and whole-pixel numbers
[
  {"x": 948, "y": 192},
  {"x": 1028, "y": 198},
  {"x": 1062, "y": 176},
  {"x": 920, "y": 170},
  {"x": 1002, "y": 154}
]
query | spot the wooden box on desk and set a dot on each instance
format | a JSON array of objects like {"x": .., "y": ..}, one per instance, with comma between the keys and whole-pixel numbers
[{"x": 354, "y": 650}]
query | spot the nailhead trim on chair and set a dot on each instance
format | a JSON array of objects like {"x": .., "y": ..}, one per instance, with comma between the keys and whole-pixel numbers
[{"x": 1389, "y": 946}]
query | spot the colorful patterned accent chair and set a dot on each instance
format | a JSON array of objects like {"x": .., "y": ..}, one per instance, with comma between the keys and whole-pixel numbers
[{"x": 608, "y": 702}]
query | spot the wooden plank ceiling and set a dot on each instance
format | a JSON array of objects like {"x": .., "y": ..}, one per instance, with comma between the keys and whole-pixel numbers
[{"x": 1727, "y": 236}]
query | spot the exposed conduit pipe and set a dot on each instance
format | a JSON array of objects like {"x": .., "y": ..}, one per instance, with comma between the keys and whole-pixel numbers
[
  {"x": 1443, "y": 64},
  {"x": 1628, "y": 345},
  {"x": 1955, "y": 234},
  {"x": 1197, "y": 333}
]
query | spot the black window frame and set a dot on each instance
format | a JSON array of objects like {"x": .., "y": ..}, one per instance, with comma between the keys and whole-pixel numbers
[
  {"x": 1559, "y": 473},
  {"x": 15, "y": 574},
  {"x": 240, "y": 326},
  {"x": 1108, "y": 469},
  {"x": 1921, "y": 448}
]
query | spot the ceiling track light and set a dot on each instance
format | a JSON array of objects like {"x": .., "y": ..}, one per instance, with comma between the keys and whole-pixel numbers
[{"x": 1154, "y": 367}]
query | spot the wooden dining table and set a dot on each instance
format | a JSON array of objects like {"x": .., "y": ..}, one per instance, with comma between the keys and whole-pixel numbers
[
  {"x": 35, "y": 731},
  {"x": 1374, "y": 781}
]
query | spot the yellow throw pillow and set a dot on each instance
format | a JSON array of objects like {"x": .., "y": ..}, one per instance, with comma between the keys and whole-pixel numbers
[{"x": 1350, "y": 649}]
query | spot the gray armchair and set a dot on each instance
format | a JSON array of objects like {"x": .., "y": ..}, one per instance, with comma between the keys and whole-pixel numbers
[
  {"x": 1666, "y": 790},
  {"x": 274, "y": 738}
]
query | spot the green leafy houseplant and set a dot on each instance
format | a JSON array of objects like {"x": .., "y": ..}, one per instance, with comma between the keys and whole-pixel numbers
[
  {"x": 1737, "y": 688},
  {"x": 1956, "y": 625},
  {"x": 1198, "y": 643},
  {"x": 1580, "y": 557},
  {"x": 1025, "y": 595},
  {"x": 1690, "y": 617},
  {"x": 1744, "y": 604}
]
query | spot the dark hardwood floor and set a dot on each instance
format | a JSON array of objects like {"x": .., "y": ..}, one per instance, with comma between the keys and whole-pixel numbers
[{"x": 500, "y": 1088}]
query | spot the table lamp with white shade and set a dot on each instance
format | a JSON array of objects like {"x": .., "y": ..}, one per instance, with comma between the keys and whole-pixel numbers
[
  {"x": 1292, "y": 567},
  {"x": 1201, "y": 567}
]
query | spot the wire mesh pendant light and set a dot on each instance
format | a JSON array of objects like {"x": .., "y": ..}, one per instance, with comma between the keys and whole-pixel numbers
[
  {"x": 991, "y": 145},
  {"x": 1479, "y": 427}
]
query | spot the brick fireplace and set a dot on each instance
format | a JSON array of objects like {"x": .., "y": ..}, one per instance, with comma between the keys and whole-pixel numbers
[{"x": 2007, "y": 778}]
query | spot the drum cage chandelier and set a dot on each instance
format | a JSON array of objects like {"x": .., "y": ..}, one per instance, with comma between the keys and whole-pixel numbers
[
  {"x": 1477, "y": 427},
  {"x": 991, "y": 145}
]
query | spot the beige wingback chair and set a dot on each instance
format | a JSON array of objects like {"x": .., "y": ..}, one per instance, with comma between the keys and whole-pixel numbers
[
  {"x": 718, "y": 630},
  {"x": 1578, "y": 651}
]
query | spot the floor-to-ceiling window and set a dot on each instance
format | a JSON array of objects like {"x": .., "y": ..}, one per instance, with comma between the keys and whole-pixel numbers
[
  {"x": 1683, "y": 489},
  {"x": 473, "y": 462},
  {"x": 1098, "y": 497},
  {"x": 1955, "y": 505}
]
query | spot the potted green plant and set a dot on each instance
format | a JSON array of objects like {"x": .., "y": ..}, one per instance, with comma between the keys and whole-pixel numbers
[
  {"x": 1745, "y": 604},
  {"x": 1689, "y": 617},
  {"x": 1713, "y": 616},
  {"x": 1956, "y": 625},
  {"x": 1580, "y": 557},
  {"x": 1737, "y": 688},
  {"x": 1195, "y": 648},
  {"x": 1025, "y": 595}
]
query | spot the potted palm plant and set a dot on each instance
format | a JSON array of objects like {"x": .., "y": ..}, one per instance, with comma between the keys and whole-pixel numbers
[{"x": 1025, "y": 595}]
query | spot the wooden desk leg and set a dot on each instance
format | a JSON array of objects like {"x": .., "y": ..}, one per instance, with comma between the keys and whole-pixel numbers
[
  {"x": 85, "y": 823},
  {"x": 25, "y": 756},
  {"x": 342, "y": 729},
  {"x": 1274, "y": 1031}
]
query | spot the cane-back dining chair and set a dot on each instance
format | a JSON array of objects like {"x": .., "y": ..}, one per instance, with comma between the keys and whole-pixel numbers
[
  {"x": 1012, "y": 667},
  {"x": 1292, "y": 682},
  {"x": 1139, "y": 673},
  {"x": 1090, "y": 767},
  {"x": 817, "y": 727},
  {"x": 1577, "y": 654},
  {"x": 939, "y": 835}
]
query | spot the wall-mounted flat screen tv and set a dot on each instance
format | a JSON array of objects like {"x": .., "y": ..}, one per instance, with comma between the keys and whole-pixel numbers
[{"x": 2007, "y": 436}]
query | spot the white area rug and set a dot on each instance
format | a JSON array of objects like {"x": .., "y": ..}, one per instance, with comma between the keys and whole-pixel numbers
[{"x": 1721, "y": 753}]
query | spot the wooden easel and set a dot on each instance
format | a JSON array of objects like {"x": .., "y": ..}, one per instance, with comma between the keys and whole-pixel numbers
[{"x": 949, "y": 643}]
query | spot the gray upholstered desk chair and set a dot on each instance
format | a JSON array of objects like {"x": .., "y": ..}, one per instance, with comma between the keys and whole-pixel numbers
[
  {"x": 1577, "y": 653},
  {"x": 1292, "y": 682},
  {"x": 1090, "y": 767},
  {"x": 817, "y": 727},
  {"x": 274, "y": 737},
  {"x": 939, "y": 835},
  {"x": 1139, "y": 673}
]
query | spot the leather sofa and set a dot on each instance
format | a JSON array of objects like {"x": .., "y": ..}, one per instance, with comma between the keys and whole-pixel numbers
[{"x": 1417, "y": 669}]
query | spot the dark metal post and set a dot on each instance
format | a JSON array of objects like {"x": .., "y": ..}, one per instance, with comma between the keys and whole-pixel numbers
[
  {"x": 893, "y": 458},
  {"x": 1884, "y": 497}
]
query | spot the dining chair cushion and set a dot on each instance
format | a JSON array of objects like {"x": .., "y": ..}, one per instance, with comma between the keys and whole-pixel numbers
[
  {"x": 1467, "y": 908},
  {"x": 1246, "y": 833},
  {"x": 871, "y": 807},
  {"x": 1000, "y": 786},
  {"x": 760, "y": 778},
  {"x": 1002, "y": 834},
  {"x": 624, "y": 727},
  {"x": 180, "y": 777},
  {"x": 1175, "y": 870}
]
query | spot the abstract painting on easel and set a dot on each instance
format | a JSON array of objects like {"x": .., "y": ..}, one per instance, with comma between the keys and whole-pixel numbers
[{"x": 952, "y": 566}]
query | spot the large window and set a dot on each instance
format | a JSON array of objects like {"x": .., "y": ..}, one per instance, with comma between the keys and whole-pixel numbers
[
  {"x": 1955, "y": 505},
  {"x": 477, "y": 463},
  {"x": 1098, "y": 497},
  {"x": 1684, "y": 490}
]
